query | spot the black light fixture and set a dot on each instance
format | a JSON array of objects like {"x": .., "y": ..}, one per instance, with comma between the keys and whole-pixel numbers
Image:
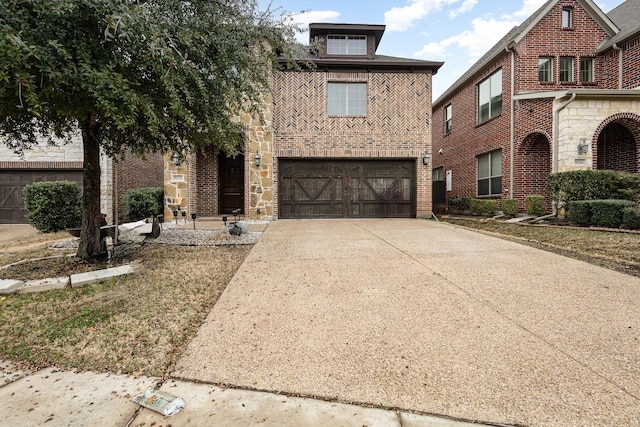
[
  {"x": 426, "y": 158},
  {"x": 193, "y": 218},
  {"x": 184, "y": 216},
  {"x": 256, "y": 159},
  {"x": 175, "y": 215},
  {"x": 583, "y": 147},
  {"x": 224, "y": 220}
]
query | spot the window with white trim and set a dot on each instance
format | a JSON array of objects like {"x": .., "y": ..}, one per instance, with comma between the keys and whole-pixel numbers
[
  {"x": 346, "y": 45},
  {"x": 347, "y": 99},
  {"x": 545, "y": 69},
  {"x": 566, "y": 69},
  {"x": 587, "y": 74},
  {"x": 448, "y": 110},
  {"x": 490, "y": 97},
  {"x": 490, "y": 173}
]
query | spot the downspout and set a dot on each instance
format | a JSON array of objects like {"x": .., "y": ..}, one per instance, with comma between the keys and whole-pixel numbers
[
  {"x": 511, "y": 121},
  {"x": 620, "y": 64},
  {"x": 556, "y": 121}
]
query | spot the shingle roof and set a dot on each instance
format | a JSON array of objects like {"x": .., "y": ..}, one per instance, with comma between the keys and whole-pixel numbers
[
  {"x": 626, "y": 17},
  {"x": 517, "y": 33}
]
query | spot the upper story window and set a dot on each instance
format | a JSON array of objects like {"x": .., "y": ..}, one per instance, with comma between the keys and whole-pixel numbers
[
  {"x": 490, "y": 97},
  {"x": 490, "y": 173},
  {"x": 448, "y": 110},
  {"x": 566, "y": 69},
  {"x": 346, "y": 45},
  {"x": 567, "y": 18},
  {"x": 347, "y": 99},
  {"x": 587, "y": 74},
  {"x": 545, "y": 69}
]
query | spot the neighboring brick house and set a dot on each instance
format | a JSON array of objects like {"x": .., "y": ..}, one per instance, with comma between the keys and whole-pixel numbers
[
  {"x": 349, "y": 138},
  {"x": 557, "y": 93},
  {"x": 65, "y": 162}
]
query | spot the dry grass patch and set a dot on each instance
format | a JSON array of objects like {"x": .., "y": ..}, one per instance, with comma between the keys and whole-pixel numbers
[
  {"x": 617, "y": 251},
  {"x": 137, "y": 324}
]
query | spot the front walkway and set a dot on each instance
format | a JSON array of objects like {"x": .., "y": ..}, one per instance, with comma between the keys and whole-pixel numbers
[{"x": 423, "y": 316}]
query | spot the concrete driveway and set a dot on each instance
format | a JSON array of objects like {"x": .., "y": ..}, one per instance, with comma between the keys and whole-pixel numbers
[{"x": 423, "y": 316}]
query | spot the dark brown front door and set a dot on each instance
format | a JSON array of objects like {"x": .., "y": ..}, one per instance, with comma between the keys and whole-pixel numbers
[
  {"x": 347, "y": 189},
  {"x": 231, "y": 183}
]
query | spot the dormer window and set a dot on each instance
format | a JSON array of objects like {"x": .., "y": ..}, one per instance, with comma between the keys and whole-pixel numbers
[{"x": 346, "y": 45}]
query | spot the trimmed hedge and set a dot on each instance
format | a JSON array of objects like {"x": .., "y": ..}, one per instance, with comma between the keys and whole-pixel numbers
[
  {"x": 141, "y": 203},
  {"x": 565, "y": 187},
  {"x": 510, "y": 207},
  {"x": 534, "y": 205},
  {"x": 601, "y": 213},
  {"x": 460, "y": 203},
  {"x": 631, "y": 219},
  {"x": 580, "y": 212},
  {"x": 53, "y": 205},
  {"x": 484, "y": 207},
  {"x": 608, "y": 213}
]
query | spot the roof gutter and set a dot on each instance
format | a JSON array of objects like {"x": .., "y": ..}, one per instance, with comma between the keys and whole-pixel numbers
[
  {"x": 620, "y": 63},
  {"x": 508, "y": 49}
]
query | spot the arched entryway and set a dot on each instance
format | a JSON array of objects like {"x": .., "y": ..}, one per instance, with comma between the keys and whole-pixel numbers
[
  {"x": 532, "y": 166},
  {"x": 617, "y": 145}
]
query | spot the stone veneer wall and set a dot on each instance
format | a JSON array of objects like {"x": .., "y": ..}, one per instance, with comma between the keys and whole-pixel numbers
[
  {"x": 176, "y": 185},
  {"x": 582, "y": 119}
]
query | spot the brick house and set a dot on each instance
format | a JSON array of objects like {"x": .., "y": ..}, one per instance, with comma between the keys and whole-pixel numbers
[
  {"x": 65, "y": 162},
  {"x": 557, "y": 93},
  {"x": 349, "y": 138}
]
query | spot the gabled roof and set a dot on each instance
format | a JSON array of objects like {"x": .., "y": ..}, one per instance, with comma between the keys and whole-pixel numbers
[
  {"x": 519, "y": 32},
  {"x": 627, "y": 18}
]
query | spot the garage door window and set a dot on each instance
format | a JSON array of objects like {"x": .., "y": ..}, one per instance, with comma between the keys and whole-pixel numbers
[{"x": 347, "y": 99}]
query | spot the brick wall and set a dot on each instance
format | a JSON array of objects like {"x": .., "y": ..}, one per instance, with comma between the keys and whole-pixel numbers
[
  {"x": 397, "y": 124},
  {"x": 131, "y": 172}
]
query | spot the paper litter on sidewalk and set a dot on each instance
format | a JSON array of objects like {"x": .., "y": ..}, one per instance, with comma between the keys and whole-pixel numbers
[{"x": 160, "y": 401}]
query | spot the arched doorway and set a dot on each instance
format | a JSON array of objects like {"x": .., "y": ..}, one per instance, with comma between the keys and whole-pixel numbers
[
  {"x": 617, "y": 145},
  {"x": 533, "y": 166}
]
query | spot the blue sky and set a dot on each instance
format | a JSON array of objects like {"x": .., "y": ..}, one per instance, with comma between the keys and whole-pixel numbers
[{"x": 457, "y": 32}]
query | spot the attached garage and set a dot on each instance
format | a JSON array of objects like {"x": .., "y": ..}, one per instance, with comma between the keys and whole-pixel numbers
[
  {"x": 323, "y": 188},
  {"x": 12, "y": 182}
]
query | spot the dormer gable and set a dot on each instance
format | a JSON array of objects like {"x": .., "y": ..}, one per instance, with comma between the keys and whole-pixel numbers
[{"x": 346, "y": 40}]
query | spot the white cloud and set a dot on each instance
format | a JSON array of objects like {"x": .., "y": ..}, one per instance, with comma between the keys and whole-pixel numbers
[
  {"x": 401, "y": 18},
  {"x": 303, "y": 19},
  {"x": 466, "y": 7},
  {"x": 527, "y": 9},
  {"x": 485, "y": 32}
]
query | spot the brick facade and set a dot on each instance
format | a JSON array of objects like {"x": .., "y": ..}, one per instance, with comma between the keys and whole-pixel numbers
[{"x": 550, "y": 119}]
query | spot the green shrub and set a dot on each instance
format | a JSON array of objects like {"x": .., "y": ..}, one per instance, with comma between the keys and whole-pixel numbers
[
  {"x": 565, "y": 187},
  {"x": 510, "y": 207},
  {"x": 141, "y": 203},
  {"x": 608, "y": 213},
  {"x": 630, "y": 219},
  {"x": 460, "y": 203},
  {"x": 534, "y": 205},
  {"x": 53, "y": 206},
  {"x": 580, "y": 212},
  {"x": 484, "y": 207}
]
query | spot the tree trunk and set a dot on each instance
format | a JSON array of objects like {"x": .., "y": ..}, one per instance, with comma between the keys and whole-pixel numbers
[{"x": 89, "y": 246}]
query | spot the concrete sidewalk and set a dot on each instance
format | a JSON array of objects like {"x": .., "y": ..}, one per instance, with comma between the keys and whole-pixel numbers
[{"x": 426, "y": 317}]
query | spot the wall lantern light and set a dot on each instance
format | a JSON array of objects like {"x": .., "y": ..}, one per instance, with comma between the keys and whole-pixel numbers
[
  {"x": 176, "y": 159},
  {"x": 425, "y": 159},
  {"x": 256, "y": 159},
  {"x": 583, "y": 147}
]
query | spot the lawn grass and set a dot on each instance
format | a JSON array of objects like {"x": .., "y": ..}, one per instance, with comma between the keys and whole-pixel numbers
[
  {"x": 614, "y": 250},
  {"x": 137, "y": 324}
]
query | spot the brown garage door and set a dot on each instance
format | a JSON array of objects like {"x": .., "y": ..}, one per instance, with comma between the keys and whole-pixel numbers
[
  {"x": 12, "y": 182},
  {"x": 347, "y": 189}
]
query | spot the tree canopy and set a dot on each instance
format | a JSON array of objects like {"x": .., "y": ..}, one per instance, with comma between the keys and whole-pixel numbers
[{"x": 142, "y": 76}]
